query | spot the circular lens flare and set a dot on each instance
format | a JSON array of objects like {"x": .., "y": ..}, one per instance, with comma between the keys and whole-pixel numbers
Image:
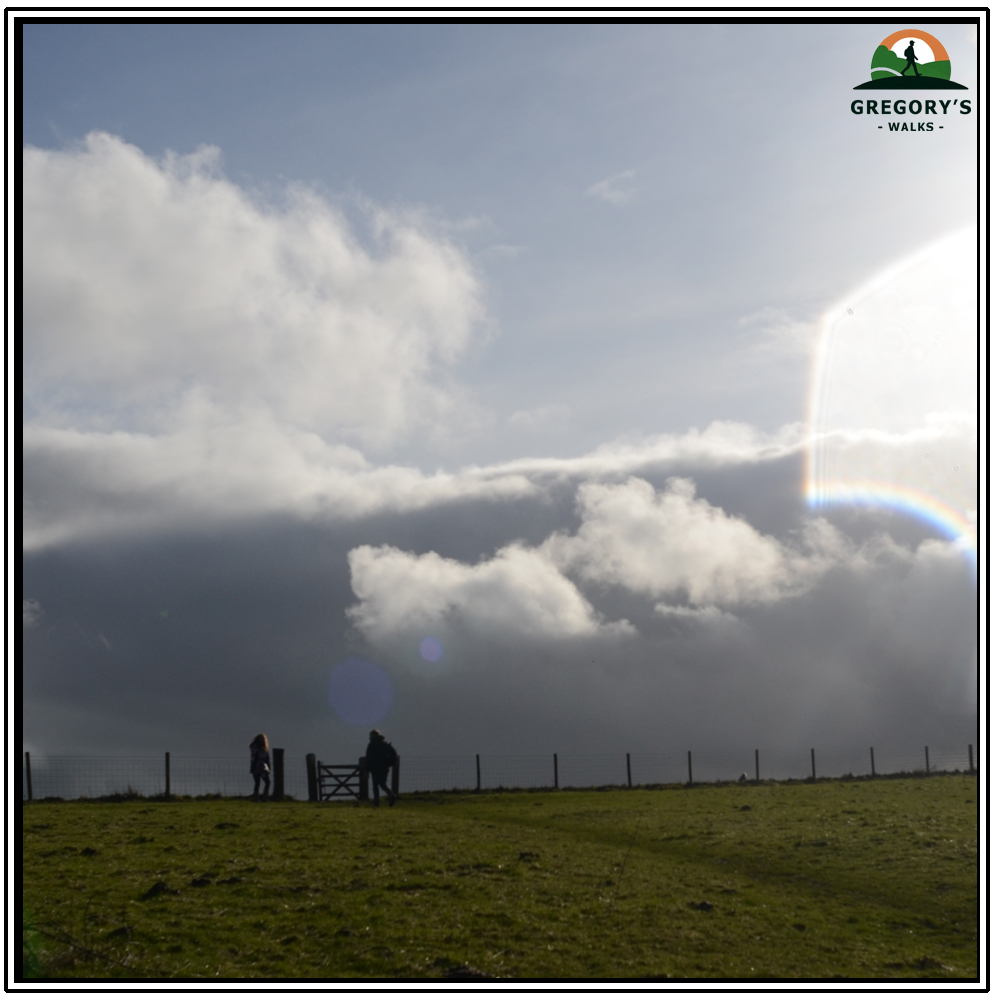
[
  {"x": 431, "y": 649},
  {"x": 359, "y": 692},
  {"x": 893, "y": 407}
]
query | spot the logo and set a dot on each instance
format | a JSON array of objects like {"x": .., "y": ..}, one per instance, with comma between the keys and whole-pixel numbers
[{"x": 910, "y": 60}]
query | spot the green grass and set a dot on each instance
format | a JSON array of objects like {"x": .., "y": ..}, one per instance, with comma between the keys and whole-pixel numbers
[{"x": 856, "y": 879}]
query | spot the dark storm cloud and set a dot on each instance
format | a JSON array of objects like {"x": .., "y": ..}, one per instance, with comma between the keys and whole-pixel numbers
[{"x": 195, "y": 642}]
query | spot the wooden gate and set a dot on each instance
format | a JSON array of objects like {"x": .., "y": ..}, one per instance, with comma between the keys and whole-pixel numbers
[{"x": 341, "y": 781}]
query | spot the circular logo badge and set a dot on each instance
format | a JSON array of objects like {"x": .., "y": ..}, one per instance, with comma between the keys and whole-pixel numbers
[{"x": 911, "y": 53}]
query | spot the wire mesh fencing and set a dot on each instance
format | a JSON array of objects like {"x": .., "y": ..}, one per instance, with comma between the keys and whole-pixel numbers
[
  {"x": 68, "y": 776},
  {"x": 74, "y": 776},
  {"x": 428, "y": 774}
]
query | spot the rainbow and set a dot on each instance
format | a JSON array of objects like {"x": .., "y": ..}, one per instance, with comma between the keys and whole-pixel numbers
[{"x": 944, "y": 518}]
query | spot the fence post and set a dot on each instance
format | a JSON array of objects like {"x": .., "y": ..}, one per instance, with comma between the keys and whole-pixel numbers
[
  {"x": 871, "y": 750},
  {"x": 756, "y": 763},
  {"x": 27, "y": 768},
  {"x": 628, "y": 768},
  {"x": 971, "y": 770},
  {"x": 555, "y": 769},
  {"x": 479, "y": 782},
  {"x": 813, "y": 755},
  {"x": 166, "y": 761},
  {"x": 690, "y": 779},
  {"x": 394, "y": 783},
  {"x": 927, "y": 760},
  {"x": 311, "y": 776},
  {"x": 278, "y": 793},
  {"x": 362, "y": 780}
]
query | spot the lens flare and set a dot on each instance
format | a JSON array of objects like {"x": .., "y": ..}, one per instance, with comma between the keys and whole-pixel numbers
[
  {"x": 359, "y": 692},
  {"x": 893, "y": 405},
  {"x": 431, "y": 649}
]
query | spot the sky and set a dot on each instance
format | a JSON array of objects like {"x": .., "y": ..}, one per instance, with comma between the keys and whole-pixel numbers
[{"x": 516, "y": 388}]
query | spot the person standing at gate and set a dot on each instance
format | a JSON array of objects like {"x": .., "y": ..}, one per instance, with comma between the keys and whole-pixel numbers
[
  {"x": 379, "y": 757},
  {"x": 260, "y": 765}
]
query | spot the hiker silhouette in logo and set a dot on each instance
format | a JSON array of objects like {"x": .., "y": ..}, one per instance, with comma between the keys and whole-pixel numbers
[
  {"x": 911, "y": 59},
  {"x": 379, "y": 757}
]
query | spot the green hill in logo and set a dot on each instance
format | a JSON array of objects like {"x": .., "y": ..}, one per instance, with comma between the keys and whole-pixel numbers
[
  {"x": 886, "y": 65},
  {"x": 910, "y": 60}
]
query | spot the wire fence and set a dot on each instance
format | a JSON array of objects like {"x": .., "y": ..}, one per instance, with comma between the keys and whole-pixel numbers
[
  {"x": 604, "y": 770},
  {"x": 76, "y": 777}
]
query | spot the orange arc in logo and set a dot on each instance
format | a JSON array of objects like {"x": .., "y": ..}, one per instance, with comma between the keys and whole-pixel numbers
[{"x": 940, "y": 53}]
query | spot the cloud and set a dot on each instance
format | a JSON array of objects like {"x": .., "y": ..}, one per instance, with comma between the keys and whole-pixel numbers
[
  {"x": 517, "y": 592},
  {"x": 778, "y": 333},
  {"x": 505, "y": 250},
  {"x": 193, "y": 354},
  {"x": 31, "y": 611},
  {"x": 722, "y": 443},
  {"x": 710, "y": 616},
  {"x": 617, "y": 189},
  {"x": 542, "y": 417},
  {"x": 212, "y": 468},
  {"x": 149, "y": 284},
  {"x": 213, "y": 464},
  {"x": 650, "y": 544},
  {"x": 674, "y": 543},
  {"x": 880, "y": 649},
  {"x": 932, "y": 462}
]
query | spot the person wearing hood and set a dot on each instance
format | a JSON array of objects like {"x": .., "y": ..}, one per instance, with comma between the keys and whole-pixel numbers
[{"x": 379, "y": 757}]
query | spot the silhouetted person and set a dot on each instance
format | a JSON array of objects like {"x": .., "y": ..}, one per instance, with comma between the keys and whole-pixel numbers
[
  {"x": 379, "y": 757},
  {"x": 260, "y": 765},
  {"x": 911, "y": 59}
]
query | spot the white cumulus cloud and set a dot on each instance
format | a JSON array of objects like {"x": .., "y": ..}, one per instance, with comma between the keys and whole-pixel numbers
[
  {"x": 517, "y": 592},
  {"x": 147, "y": 281},
  {"x": 652, "y": 544},
  {"x": 672, "y": 542}
]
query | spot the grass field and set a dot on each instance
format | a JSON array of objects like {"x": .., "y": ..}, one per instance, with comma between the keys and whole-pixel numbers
[{"x": 833, "y": 879}]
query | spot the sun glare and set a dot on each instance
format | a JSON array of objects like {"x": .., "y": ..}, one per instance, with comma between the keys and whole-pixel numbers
[{"x": 893, "y": 409}]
